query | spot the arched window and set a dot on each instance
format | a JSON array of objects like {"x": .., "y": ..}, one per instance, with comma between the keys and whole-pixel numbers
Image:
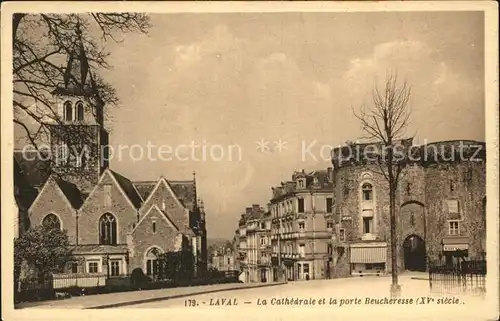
[
  {"x": 367, "y": 192},
  {"x": 107, "y": 229},
  {"x": 68, "y": 111},
  {"x": 79, "y": 111},
  {"x": 52, "y": 221},
  {"x": 152, "y": 267}
]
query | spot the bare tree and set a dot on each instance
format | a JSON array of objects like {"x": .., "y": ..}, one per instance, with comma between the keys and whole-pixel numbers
[
  {"x": 44, "y": 47},
  {"x": 386, "y": 122}
]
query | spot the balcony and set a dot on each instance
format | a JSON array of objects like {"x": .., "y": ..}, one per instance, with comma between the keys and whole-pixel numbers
[
  {"x": 368, "y": 212},
  {"x": 315, "y": 234},
  {"x": 368, "y": 237},
  {"x": 289, "y": 256},
  {"x": 289, "y": 235}
]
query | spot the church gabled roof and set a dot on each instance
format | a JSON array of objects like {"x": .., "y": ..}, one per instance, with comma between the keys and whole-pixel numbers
[
  {"x": 144, "y": 188},
  {"x": 68, "y": 192},
  {"x": 183, "y": 190},
  {"x": 128, "y": 188},
  {"x": 72, "y": 192}
]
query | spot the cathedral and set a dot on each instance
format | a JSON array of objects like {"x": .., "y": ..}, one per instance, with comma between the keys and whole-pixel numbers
[{"x": 115, "y": 225}]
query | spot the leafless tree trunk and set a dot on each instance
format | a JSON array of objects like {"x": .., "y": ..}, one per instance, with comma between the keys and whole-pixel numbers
[{"x": 386, "y": 121}]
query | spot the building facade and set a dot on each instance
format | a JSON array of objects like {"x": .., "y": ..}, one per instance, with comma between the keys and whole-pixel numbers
[
  {"x": 254, "y": 245},
  {"x": 440, "y": 208},
  {"x": 224, "y": 259},
  {"x": 115, "y": 225},
  {"x": 302, "y": 226},
  {"x": 241, "y": 248}
]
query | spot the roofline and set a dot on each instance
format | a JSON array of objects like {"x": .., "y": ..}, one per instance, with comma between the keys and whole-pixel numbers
[
  {"x": 168, "y": 187},
  {"x": 60, "y": 191},
  {"x": 108, "y": 170},
  {"x": 135, "y": 189},
  {"x": 164, "y": 215},
  {"x": 180, "y": 182}
]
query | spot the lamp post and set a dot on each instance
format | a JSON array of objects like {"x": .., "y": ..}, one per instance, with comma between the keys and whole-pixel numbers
[
  {"x": 279, "y": 251},
  {"x": 425, "y": 239}
]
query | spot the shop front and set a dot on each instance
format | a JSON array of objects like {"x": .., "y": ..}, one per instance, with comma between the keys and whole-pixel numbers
[
  {"x": 368, "y": 258},
  {"x": 289, "y": 270},
  {"x": 455, "y": 249}
]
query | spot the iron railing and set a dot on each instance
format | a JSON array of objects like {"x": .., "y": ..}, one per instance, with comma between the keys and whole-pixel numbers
[
  {"x": 455, "y": 278},
  {"x": 33, "y": 289}
]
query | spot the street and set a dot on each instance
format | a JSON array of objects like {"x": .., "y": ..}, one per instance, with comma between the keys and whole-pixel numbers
[{"x": 350, "y": 296}]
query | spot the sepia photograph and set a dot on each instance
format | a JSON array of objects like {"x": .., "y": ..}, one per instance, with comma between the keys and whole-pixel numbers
[{"x": 277, "y": 160}]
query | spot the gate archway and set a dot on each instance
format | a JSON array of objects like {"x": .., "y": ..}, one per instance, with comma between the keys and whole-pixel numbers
[{"x": 414, "y": 253}]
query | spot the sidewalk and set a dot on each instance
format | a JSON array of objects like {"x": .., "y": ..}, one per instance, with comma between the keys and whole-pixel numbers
[{"x": 119, "y": 299}]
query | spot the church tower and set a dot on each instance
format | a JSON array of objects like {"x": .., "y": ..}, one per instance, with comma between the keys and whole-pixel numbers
[{"x": 78, "y": 139}]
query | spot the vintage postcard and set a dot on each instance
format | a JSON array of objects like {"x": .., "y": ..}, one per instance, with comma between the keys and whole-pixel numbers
[{"x": 250, "y": 160}]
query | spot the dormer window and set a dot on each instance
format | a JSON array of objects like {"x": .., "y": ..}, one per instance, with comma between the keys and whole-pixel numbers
[
  {"x": 301, "y": 183},
  {"x": 367, "y": 192},
  {"x": 79, "y": 111},
  {"x": 68, "y": 111}
]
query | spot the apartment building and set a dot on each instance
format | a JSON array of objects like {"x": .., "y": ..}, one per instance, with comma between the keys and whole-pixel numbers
[
  {"x": 254, "y": 235},
  {"x": 302, "y": 226},
  {"x": 224, "y": 259}
]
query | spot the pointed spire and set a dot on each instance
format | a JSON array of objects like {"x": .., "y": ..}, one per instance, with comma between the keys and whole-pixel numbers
[
  {"x": 202, "y": 209},
  {"x": 77, "y": 69},
  {"x": 195, "y": 196}
]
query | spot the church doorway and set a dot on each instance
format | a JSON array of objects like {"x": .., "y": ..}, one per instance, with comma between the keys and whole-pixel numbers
[{"x": 414, "y": 253}]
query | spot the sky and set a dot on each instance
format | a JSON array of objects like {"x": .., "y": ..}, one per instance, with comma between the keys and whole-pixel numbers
[{"x": 290, "y": 81}]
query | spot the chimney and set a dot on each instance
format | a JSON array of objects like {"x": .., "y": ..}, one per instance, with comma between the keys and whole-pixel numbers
[
  {"x": 248, "y": 210},
  {"x": 255, "y": 207},
  {"x": 330, "y": 173}
]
